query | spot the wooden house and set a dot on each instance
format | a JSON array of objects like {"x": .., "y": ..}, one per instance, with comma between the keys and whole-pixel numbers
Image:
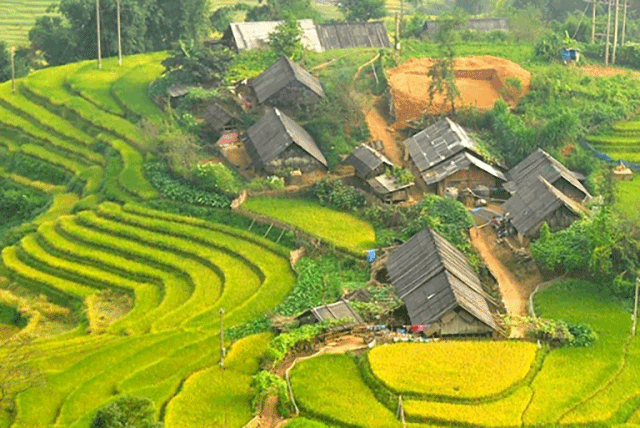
[
  {"x": 276, "y": 142},
  {"x": 285, "y": 83},
  {"x": 388, "y": 189},
  {"x": 445, "y": 156},
  {"x": 343, "y": 35},
  {"x": 333, "y": 311},
  {"x": 367, "y": 162},
  {"x": 439, "y": 287},
  {"x": 255, "y": 35},
  {"x": 536, "y": 202},
  {"x": 219, "y": 118},
  {"x": 540, "y": 163}
]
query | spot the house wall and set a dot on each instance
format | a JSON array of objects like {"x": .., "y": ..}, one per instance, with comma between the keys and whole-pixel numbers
[
  {"x": 471, "y": 178},
  {"x": 294, "y": 93},
  {"x": 558, "y": 220},
  {"x": 458, "y": 322},
  {"x": 295, "y": 158}
]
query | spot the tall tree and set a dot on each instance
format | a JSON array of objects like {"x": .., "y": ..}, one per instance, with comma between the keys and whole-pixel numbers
[
  {"x": 362, "y": 10},
  {"x": 443, "y": 80},
  {"x": 5, "y": 62},
  {"x": 286, "y": 39},
  {"x": 281, "y": 9}
]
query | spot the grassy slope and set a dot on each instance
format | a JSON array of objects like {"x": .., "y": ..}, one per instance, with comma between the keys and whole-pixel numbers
[{"x": 341, "y": 229}]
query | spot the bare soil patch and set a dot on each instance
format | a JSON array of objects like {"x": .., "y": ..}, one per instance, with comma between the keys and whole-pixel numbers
[
  {"x": 480, "y": 80},
  {"x": 380, "y": 131}
]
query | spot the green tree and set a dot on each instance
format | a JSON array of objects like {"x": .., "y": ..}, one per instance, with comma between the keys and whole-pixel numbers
[
  {"x": 127, "y": 412},
  {"x": 443, "y": 80},
  {"x": 282, "y": 9},
  {"x": 195, "y": 64},
  {"x": 362, "y": 10},
  {"x": 54, "y": 37},
  {"x": 286, "y": 39},
  {"x": 5, "y": 62},
  {"x": 473, "y": 7}
]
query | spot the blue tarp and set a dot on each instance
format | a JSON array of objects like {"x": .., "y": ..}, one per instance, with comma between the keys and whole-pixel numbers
[{"x": 371, "y": 255}]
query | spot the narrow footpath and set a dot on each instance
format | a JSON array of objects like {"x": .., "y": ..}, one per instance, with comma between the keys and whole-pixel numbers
[{"x": 515, "y": 295}]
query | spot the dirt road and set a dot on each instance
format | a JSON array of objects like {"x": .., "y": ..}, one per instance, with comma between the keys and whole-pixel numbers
[
  {"x": 379, "y": 131},
  {"x": 514, "y": 294}
]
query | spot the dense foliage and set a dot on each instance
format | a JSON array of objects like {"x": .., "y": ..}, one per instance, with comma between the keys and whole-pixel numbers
[
  {"x": 334, "y": 193},
  {"x": 265, "y": 384},
  {"x": 127, "y": 412},
  {"x": 595, "y": 247},
  {"x": 362, "y": 10},
  {"x": 561, "y": 333},
  {"x": 19, "y": 203},
  {"x": 179, "y": 189},
  {"x": 147, "y": 25},
  {"x": 286, "y": 39},
  {"x": 217, "y": 177}
]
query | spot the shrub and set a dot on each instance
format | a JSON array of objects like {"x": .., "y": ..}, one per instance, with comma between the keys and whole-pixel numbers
[
  {"x": 561, "y": 333},
  {"x": 127, "y": 412},
  {"x": 217, "y": 177},
  {"x": 336, "y": 194},
  {"x": 265, "y": 384}
]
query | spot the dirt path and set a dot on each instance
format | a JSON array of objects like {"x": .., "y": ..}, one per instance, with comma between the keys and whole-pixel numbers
[
  {"x": 380, "y": 131},
  {"x": 514, "y": 294},
  {"x": 602, "y": 71}
]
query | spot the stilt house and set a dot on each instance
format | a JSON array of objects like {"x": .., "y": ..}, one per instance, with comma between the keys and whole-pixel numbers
[{"x": 285, "y": 83}]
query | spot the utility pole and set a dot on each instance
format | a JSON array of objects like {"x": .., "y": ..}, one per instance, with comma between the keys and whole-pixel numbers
[
  {"x": 635, "y": 310},
  {"x": 13, "y": 69},
  {"x": 593, "y": 21},
  {"x": 615, "y": 32},
  {"x": 98, "y": 27},
  {"x": 119, "y": 37},
  {"x": 222, "y": 352},
  {"x": 624, "y": 21},
  {"x": 606, "y": 53}
]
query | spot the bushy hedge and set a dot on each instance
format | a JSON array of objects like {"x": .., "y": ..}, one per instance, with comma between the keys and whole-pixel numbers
[
  {"x": 38, "y": 170},
  {"x": 335, "y": 194},
  {"x": 19, "y": 203},
  {"x": 561, "y": 333},
  {"x": 181, "y": 190}
]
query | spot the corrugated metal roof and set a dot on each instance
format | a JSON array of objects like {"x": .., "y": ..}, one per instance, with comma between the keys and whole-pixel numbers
[
  {"x": 461, "y": 161},
  {"x": 217, "y": 116},
  {"x": 273, "y": 133},
  {"x": 335, "y": 311},
  {"x": 280, "y": 74},
  {"x": 437, "y": 143},
  {"x": 540, "y": 163},
  {"x": 432, "y": 277},
  {"x": 384, "y": 184},
  {"x": 534, "y": 203},
  {"x": 365, "y": 159},
  {"x": 351, "y": 34},
  {"x": 254, "y": 35}
]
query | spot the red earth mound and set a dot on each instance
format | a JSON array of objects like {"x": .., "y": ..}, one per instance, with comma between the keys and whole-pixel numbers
[{"x": 480, "y": 80}]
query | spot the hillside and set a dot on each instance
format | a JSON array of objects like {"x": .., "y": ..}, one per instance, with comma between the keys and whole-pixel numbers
[{"x": 134, "y": 293}]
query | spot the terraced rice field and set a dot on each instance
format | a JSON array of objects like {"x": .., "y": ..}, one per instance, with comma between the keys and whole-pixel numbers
[
  {"x": 622, "y": 142},
  {"x": 177, "y": 271},
  {"x": 561, "y": 387},
  {"x": 18, "y": 16}
]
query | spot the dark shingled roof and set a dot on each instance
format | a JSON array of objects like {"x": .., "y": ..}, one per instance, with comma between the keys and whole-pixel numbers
[
  {"x": 540, "y": 163},
  {"x": 459, "y": 162},
  {"x": 349, "y": 35},
  {"x": 273, "y": 134},
  {"x": 438, "y": 142},
  {"x": 534, "y": 203},
  {"x": 217, "y": 116},
  {"x": 433, "y": 277},
  {"x": 178, "y": 90},
  {"x": 334, "y": 311},
  {"x": 365, "y": 159},
  {"x": 279, "y": 75}
]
